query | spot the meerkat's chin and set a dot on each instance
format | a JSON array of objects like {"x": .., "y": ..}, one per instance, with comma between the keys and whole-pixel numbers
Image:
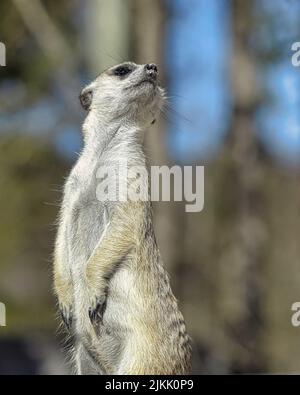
[{"x": 147, "y": 82}]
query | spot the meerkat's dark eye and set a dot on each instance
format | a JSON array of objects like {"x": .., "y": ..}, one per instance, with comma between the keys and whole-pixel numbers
[{"x": 122, "y": 71}]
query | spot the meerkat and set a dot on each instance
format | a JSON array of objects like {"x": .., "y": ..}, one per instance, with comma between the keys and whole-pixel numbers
[{"x": 113, "y": 291}]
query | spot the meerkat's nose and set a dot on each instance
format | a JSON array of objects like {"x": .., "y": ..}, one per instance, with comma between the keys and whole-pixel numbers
[{"x": 151, "y": 69}]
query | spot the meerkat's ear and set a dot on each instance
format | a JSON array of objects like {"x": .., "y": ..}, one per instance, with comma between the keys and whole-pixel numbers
[{"x": 86, "y": 97}]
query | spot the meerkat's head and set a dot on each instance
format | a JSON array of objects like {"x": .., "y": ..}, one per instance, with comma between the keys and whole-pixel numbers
[{"x": 127, "y": 91}]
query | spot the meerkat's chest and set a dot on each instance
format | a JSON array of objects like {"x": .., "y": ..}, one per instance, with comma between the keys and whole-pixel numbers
[{"x": 85, "y": 215}]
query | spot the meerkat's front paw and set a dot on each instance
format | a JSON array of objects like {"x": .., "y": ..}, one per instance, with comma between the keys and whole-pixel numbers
[
  {"x": 97, "y": 308},
  {"x": 97, "y": 294},
  {"x": 64, "y": 294},
  {"x": 66, "y": 315}
]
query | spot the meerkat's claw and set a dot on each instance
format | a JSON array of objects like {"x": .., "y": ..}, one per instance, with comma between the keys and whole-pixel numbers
[
  {"x": 67, "y": 317},
  {"x": 96, "y": 312}
]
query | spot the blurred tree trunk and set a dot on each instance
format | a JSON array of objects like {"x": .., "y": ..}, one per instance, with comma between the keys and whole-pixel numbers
[
  {"x": 242, "y": 247},
  {"x": 244, "y": 235},
  {"x": 107, "y": 34}
]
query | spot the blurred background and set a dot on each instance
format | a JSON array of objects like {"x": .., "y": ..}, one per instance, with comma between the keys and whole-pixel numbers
[{"x": 234, "y": 98}]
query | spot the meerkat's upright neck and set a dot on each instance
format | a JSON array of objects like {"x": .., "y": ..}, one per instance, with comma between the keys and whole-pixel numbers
[{"x": 120, "y": 137}]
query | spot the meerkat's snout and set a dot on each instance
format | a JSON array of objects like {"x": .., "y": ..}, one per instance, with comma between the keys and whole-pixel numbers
[{"x": 151, "y": 70}]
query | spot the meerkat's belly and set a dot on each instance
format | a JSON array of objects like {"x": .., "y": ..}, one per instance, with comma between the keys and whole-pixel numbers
[
  {"x": 132, "y": 305},
  {"x": 123, "y": 305},
  {"x": 120, "y": 298}
]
